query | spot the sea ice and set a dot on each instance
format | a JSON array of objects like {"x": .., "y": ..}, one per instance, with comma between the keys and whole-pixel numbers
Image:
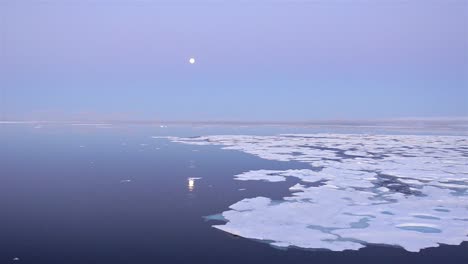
[{"x": 398, "y": 190}]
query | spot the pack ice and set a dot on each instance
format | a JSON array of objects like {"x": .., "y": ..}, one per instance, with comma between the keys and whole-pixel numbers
[{"x": 409, "y": 191}]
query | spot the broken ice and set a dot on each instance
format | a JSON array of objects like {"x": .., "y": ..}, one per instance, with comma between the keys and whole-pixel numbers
[{"x": 399, "y": 190}]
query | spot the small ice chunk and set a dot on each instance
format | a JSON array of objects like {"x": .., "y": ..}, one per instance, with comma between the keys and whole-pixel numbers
[
  {"x": 297, "y": 187},
  {"x": 265, "y": 175},
  {"x": 216, "y": 217}
]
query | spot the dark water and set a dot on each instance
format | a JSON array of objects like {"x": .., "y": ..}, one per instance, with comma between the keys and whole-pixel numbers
[{"x": 62, "y": 200}]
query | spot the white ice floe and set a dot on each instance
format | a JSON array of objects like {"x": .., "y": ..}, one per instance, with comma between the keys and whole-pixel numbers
[
  {"x": 297, "y": 187},
  {"x": 265, "y": 175},
  {"x": 397, "y": 190},
  {"x": 125, "y": 181}
]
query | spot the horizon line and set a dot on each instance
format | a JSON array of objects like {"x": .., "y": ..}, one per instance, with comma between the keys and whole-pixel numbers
[{"x": 348, "y": 121}]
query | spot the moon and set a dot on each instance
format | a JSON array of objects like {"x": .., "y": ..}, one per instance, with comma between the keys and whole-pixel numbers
[{"x": 192, "y": 60}]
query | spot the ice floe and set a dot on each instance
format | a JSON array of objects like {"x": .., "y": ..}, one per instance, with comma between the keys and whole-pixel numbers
[
  {"x": 125, "y": 181},
  {"x": 409, "y": 191}
]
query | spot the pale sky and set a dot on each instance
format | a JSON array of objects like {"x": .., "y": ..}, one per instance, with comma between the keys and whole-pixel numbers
[{"x": 267, "y": 60}]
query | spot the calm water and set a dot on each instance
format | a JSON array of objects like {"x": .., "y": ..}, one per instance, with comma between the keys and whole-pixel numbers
[{"x": 84, "y": 194}]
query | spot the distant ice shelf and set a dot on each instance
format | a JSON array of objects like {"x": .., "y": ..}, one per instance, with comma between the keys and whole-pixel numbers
[{"x": 399, "y": 190}]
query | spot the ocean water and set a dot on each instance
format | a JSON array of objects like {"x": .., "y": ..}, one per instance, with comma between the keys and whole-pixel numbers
[{"x": 113, "y": 194}]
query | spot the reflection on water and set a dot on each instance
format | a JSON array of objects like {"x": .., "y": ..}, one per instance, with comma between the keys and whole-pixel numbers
[{"x": 191, "y": 183}]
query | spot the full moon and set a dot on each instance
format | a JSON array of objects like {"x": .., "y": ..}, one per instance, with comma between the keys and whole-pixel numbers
[{"x": 192, "y": 60}]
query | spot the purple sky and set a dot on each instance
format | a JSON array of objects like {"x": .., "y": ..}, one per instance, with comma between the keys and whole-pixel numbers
[{"x": 271, "y": 60}]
